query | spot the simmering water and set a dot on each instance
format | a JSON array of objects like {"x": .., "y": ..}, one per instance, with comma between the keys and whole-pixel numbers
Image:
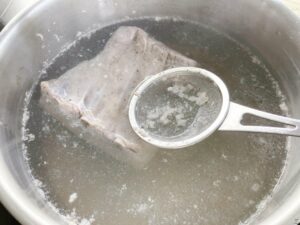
[{"x": 218, "y": 181}]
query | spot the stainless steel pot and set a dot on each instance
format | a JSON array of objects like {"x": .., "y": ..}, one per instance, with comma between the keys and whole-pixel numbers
[{"x": 265, "y": 24}]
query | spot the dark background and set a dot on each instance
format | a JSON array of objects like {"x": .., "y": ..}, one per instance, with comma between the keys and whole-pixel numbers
[{"x": 6, "y": 218}]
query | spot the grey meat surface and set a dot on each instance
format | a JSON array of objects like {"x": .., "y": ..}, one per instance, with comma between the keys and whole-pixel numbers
[{"x": 92, "y": 98}]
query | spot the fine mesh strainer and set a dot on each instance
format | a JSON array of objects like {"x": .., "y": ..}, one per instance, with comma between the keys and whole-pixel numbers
[{"x": 182, "y": 106}]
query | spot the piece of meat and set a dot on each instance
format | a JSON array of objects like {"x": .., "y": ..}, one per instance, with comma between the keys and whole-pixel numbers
[{"x": 92, "y": 98}]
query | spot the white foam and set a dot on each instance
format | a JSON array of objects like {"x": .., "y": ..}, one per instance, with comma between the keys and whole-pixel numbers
[
  {"x": 182, "y": 91},
  {"x": 123, "y": 189},
  {"x": 70, "y": 218},
  {"x": 255, "y": 187},
  {"x": 73, "y": 197},
  {"x": 39, "y": 35}
]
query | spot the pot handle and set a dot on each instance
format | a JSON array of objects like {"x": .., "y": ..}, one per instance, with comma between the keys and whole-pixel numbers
[{"x": 236, "y": 113}]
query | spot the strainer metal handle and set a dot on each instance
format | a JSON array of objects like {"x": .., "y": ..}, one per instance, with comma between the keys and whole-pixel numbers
[
  {"x": 236, "y": 113},
  {"x": 229, "y": 117}
]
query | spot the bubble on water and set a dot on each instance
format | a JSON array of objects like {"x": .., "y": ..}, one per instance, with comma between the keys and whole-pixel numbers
[
  {"x": 73, "y": 197},
  {"x": 255, "y": 187}
]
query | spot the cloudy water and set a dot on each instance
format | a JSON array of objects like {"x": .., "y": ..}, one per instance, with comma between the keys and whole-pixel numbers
[{"x": 218, "y": 181}]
